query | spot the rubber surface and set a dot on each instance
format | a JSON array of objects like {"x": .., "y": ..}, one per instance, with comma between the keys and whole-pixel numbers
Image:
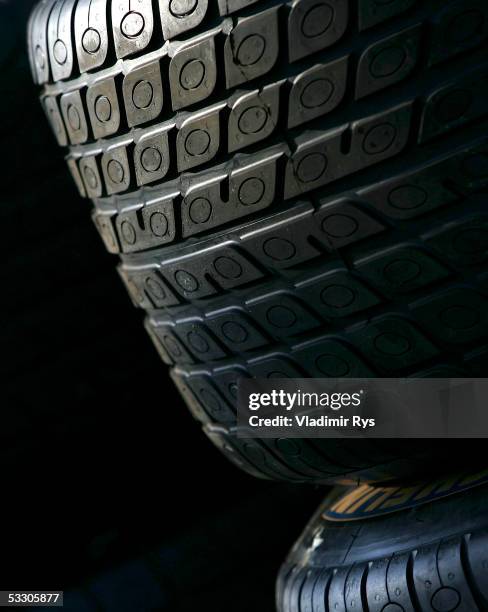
[
  {"x": 431, "y": 558},
  {"x": 295, "y": 189}
]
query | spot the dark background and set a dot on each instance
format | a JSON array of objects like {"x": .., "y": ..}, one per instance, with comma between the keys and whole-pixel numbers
[{"x": 109, "y": 489}]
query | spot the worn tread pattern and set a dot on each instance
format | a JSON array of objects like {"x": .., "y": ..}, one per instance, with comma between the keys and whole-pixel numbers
[
  {"x": 294, "y": 189},
  {"x": 417, "y": 574}
]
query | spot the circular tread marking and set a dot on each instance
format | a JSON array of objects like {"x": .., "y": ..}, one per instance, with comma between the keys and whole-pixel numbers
[
  {"x": 91, "y": 41},
  {"x": 192, "y": 74},
  {"x": 317, "y": 93},
  {"x": 234, "y": 332},
  {"x": 200, "y": 210},
  {"x": 74, "y": 118},
  {"x": 453, "y": 105},
  {"x": 60, "y": 52},
  {"x": 393, "y": 344},
  {"x": 132, "y": 25},
  {"x": 402, "y": 271},
  {"x": 288, "y": 447},
  {"x": 186, "y": 281},
  {"x": 337, "y": 296},
  {"x": 459, "y": 317},
  {"x": 387, "y": 61},
  {"x": 198, "y": 342},
  {"x": 281, "y": 317},
  {"x": 228, "y": 268},
  {"x": 393, "y": 607},
  {"x": 279, "y": 249},
  {"x": 407, "y": 197},
  {"x": 472, "y": 241},
  {"x": 182, "y": 8},
  {"x": 445, "y": 599},
  {"x": 115, "y": 171},
  {"x": 251, "y": 50},
  {"x": 253, "y": 120},
  {"x": 465, "y": 25},
  {"x": 155, "y": 288},
  {"x": 197, "y": 143},
  {"x": 103, "y": 109},
  {"x": 128, "y": 232},
  {"x": 158, "y": 224},
  {"x": 233, "y": 389},
  {"x": 142, "y": 94},
  {"x": 151, "y": 159},
  {"x": 476, "y": 166},
  {"x": 90, "y": 177},
  {"x": 311, "y": 167},
  {"x": 332, "y": 365},
  {"x": 340, "y": 226},
  {"x": 317, "y": 20},
  {"x": 251, "y": 191},
  {"x": 172, "y": 346},
  {"x": 379, "y": 138}
]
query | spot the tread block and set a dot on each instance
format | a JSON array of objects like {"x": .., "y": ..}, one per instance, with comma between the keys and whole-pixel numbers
[
  {"x": 103, "y": 108},
  {"x": 199, "y": 341},
  {"x": 460, "y": 26},
  {"x": 315, "y": 25},
  {"x": 282, "y": 246},
  {"x": 281, "y": 315},
  {"x": 151, "y": 157},
  {"x": 343, "y": 223},
  {"x": 458, "y": 316},
  {"x": 337, "y": 294},
  {"x": 401, "y": 269},
  {"x": 91, "y": 34},
  {"x": 178, "y": 16},
  {"x": 331, "y": 359},
  {"x": 116, "y": 170},
  {"x": 91, "y": 177},
  {"x": 388, "y": 61},
  {"x": 193, "y": 73},
  {"x": 150, "y": 226},
  {"x": 252, "y": 47},
  {"x": 236, "y": 331},
  {"x": 453, "y": 105},
  {"x": 54, "y": 117},
  {"x": 393, "y": 343},
  {"x": 319, "y": 161},
  {"x": 414, "y": 194},
  {"x": 105, "y": 228},
  {"x": 317, "y": 91},
  {"x": 39, "y": 48},
  {"x": 198, "y": 139},
  {"x": 253, "y": 117},
  {"x": 59, "y": 37},
  {"x": 143, "y": 94},
  {"x": 148, "y": 289},
  {"x": 74, "y": 117},
  {"x": 132, "y": 26},
  {"x": 463, "y": 242}
]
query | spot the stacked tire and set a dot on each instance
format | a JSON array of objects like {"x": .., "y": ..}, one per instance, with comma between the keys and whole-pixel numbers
[{"x": 294, "y": 189}]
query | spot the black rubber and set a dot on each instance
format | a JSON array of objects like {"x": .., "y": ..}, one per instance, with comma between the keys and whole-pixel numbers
[
  {"x": 431, "y": 558},
  {"x": 295, "y": 189}
]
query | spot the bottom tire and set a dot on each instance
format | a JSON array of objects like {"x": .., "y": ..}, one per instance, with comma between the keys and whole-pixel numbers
[{"x": 393, "y": 549}]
